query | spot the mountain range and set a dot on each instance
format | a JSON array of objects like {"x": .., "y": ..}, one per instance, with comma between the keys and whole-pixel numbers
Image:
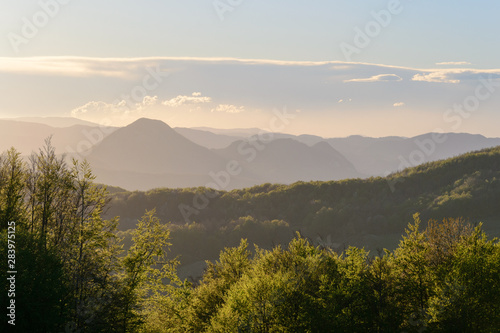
[
  {"x": 150, "y": 154},
  {"x": 28, "y": 136}
]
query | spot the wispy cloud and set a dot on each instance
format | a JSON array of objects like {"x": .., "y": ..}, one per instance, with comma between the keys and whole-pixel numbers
[
  {"x": 399, "y": 104},
  {"x": 437, "y": 76},
  {"x": 453, "y": 63},
  {"x": 118, "y": 67},
  {"x": 378, "y": 78},
  {"x": 195, "y": 98},
  {"x": 75, "y": 66},
  {"x": 455, "y": 75},
  {"x": 228, "y": 108},
  {"x": 123, "y": 111}
]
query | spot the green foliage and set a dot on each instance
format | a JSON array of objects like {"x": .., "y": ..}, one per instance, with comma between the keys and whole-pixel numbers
[
  {"x": 12, "y": 179},
  {"x": 40, "y": 284},
  {"x": 304, "y": 288},
  {"x": 469, "y": 298},
  {"x": 72, "y": 275},
  {"x": 146, "y": 267}
]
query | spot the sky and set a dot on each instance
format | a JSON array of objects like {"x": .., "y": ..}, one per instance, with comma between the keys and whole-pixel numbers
[{"x": 341, "y": 68}]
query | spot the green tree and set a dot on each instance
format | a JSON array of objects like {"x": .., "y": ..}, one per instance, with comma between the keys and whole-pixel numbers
[
  {"x": 443, "y": 237},
  {"x": 90, "y": 252},
  {"x": 40, "y": 285},
  {"x": 146, "y": 270},
  {"x": 52, "y": 195},
  {"x": 415, "y": 278},
  {"x": 468, "y": 300},
  {"x": 12, "y": 179}
]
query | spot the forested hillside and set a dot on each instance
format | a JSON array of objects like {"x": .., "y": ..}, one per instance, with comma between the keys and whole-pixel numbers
[{"x": 370, "y": 213}]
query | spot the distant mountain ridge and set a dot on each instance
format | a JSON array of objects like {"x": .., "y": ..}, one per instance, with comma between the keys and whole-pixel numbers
[
  {"x": 152, "y": 151},
  {"x": 29, "y": 136},
  {"x": 54, "y": 121},
  {"x": 149, "y": 153},
  {"x": 370, "y": 156},
  {"x": 287, "y": 160}
]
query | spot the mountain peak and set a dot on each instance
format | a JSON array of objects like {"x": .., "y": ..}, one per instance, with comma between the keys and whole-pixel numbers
[
  {"x": 147, "y": 122},
  {"x": 323, "y": 145}
]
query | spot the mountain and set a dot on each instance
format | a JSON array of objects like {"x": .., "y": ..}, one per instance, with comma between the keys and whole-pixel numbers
[
  {"x": 287, "y": 160},
  {"x": 28, "y": 137},
  {"x": 237, "y": 132},
  {"x": 206, "y": 138},
  {"x": 221, "y": 138},
  {"x": 55, "y": 121},
  {"x": 370, "y": 156},
  {"x": 378, "y": 157},
  {"x": 149, "y": 153}
]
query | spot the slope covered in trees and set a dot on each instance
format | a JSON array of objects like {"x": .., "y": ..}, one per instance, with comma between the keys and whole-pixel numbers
[{"x": 370, "y": 213}]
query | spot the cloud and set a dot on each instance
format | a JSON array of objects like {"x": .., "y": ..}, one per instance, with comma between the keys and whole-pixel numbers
[
  {"x": 125, "y": 111},
  {"x": 227, "y": 108},
  {"x": 378, "y": 78},
  {"x": 93, "y": 107},
  {"x": 195, "y": 98},
  {"x": 121, "y": 67},
  {"x": 438, "y": 76},
  {"x": 398, "y": 104},
  {"x": 453, "y": 63},
  {"x": 77, "y": 66},
  {"x": 120, "y": 109},
  {"x": 456, "y": 75},
  {"x": 149, "y": 100}
]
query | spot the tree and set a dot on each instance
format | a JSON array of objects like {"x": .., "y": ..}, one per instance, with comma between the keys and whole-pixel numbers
[
  {"x": 468, "y": 299},
  {"x": 58, "y": 211},
  {"x": 52, "y": 196},
  {"x": 385, "y": 303},
  {"x": 40, "y": 285},
  {"x": 443, "y": 237},
  {"x": 146, "y": 268},
  {"x": 91, "y": 251},
  {"x": 415, "y": 279},
  {"x": 12, "y": 179}
]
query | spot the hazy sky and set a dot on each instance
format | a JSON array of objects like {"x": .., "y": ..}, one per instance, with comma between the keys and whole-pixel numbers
[{"x": 429, "y": 57}]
